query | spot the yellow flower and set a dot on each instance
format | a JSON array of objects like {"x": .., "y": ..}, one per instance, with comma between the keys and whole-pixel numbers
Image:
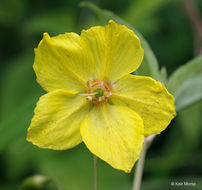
[{"x": 93, "y": 98}]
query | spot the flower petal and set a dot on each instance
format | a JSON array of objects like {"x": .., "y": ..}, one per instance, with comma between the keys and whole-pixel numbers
[
  {"x": 148, "y": 98},
  {"x": 114, "y": 134},
  {"x": 63, "y": 62},
  {"x": 116, "y": 50},
  {"x": 57, "y": 119}
]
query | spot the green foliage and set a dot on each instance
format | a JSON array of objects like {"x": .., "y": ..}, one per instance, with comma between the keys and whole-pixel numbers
[
  {"x": 13, "y": 125},
  {"x": 190, "y": 122},
  {"x": 141, "y": 14},
  {"x": 19, "y": 79},
  {"x": 189, "y": 93},
  {"x": 191, "y": 69},
  {"x": 175, "y": 153},
  {"x": 36, "y": 182},
  {"x": 186, "y": 83},
  {"x": 11, "y": 11},
  {"x": 163, "y": 75},
  {"x": 54, "y": 22},
  {"x": 75, "y": 164}
]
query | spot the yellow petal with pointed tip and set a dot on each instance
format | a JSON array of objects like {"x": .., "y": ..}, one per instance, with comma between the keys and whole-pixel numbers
[
  {"x": 116, "y": 50},
  {"x": 57, "y": 119},
  {"x": 63, "y": 62},
  {"x": 114, "y": 134},
  {"x": 148, "y": 98}
]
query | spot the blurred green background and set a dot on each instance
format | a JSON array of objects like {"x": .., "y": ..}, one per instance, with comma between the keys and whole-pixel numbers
[{"x": 175, "y": 155}]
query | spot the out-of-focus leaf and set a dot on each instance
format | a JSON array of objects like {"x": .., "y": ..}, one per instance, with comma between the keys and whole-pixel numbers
[
  {"x": 189, "y": 93},
  {"x": 142, "y": 8},
  {"x": 172, "y": 153},
  {"x": 8, "y": 186},
  {"x": 19, "y": 154},
  {"x": 18, "y": 84},
  {"x": 141, "y": 13},
  {"x": 178, "y": 158},
  {"x": 11, "y": 11},
  {"x": 55, "y": 22},
  {"x": 190, "y": 121},
  {"x": 19, "y": 95},
  {"x": 191, "y": 69},
  {"x": 73, "y": 169},
  {"x": 149, "y": 67},
  {"x": 37, "y": 182},
  {"x": 14, "y": 124},
  {"x": 186, "y": 84},
  {"x": 163, "y": 74}
]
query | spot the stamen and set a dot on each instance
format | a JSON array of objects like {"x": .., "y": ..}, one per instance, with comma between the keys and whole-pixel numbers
[
  {"x": 89, "y": 98},
  {"x": 88, "y": 94},
  {"x": 98, "y": 91}
]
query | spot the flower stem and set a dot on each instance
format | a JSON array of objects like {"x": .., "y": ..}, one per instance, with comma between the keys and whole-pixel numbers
[
  {"x": 95, "y": 172},
  {"x": 139, "y": 169}
]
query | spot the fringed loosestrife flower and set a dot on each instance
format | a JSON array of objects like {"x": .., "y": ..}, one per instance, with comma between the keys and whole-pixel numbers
[{"x": 92, "y": 97}]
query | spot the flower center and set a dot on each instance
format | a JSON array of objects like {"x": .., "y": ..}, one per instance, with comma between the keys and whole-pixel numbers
[{"x": 98, "y": 91}]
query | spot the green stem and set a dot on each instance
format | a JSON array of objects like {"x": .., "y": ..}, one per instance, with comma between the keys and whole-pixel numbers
[
  {"x": 95, "y": 172},
  {"x": 139, "y": 169}
]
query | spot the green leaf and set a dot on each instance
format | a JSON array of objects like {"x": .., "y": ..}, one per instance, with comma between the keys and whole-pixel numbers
[
  {"x": 190, "y": 122},
  {"x": 14, "y": 125},
  {"x": 149, "y": 67},
  {"x": 8, "y": 186},
  {"x": 145, "y": 18},
  {"x": 191, "y": 69},
  {"x": 143, "y": 8},
  {"x": 163, "y": 74},
  {"x": 36, "y": 182},
  {"x": 18, "y": 84},
  {"x": 19, "y": 95},
  {"x": 19, "y": 154},
  {"x": 11, "y": 11},
  {"x": 54, "y": 22},
  {"x": 73, "y": 169},
  {"x": 189, "y": 92}
]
